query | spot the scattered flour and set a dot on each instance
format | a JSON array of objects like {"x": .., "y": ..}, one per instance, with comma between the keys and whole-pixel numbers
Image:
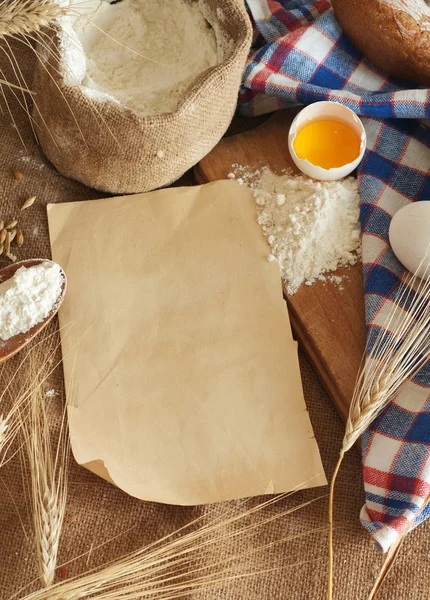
[
  {"x": 32, "y": 162},
  {"x": 337, "y": 280},
  {"x": 28, "y": 298},
  {"x": 51, "y": 394},
  {"x": 173, "y": 35},
  {"x": 311, "y": 226}
]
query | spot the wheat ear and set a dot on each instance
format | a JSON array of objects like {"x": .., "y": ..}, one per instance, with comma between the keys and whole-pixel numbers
[
  {"x": 23, "y": 17},
  {"x": 12, "y": 401},
  {"x": 49, "y": 491},
  {"x": 401, "y": 349},
  {"x": 47, "y": 463}
]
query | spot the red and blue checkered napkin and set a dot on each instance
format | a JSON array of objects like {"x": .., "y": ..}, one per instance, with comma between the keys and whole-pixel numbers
[{"x": 302, "y": 56}]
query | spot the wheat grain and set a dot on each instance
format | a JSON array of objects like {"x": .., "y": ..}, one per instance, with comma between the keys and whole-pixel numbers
[
  {"x": 11, "y": 224},
  {"x": 28, "y": 203},
  {"x": 7, "y": 243}
]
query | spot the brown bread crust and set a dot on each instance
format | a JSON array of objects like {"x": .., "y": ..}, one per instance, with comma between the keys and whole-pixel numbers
[{"x": 393, "y": 34}]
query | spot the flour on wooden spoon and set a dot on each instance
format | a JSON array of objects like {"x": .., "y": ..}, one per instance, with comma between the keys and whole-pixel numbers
[{"x": 28, "y": 298}]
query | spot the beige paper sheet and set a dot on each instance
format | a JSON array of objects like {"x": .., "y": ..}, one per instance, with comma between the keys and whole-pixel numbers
[{"x": 182, "y": 374}]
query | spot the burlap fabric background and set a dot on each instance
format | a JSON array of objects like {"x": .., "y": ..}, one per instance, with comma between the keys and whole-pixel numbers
[
  {"x": 124, "y": 158},
  {"x": 96, "y": 511}
]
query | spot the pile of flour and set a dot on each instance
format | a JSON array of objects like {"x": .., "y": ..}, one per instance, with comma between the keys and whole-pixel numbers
[
  {"x": 28, "y": 298},
  {"x": 173, "y": 35},
  {"x": 312, "y": 227}
]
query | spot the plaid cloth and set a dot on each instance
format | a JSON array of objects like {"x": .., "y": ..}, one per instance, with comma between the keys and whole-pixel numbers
[{"x": 301, "y": 57}]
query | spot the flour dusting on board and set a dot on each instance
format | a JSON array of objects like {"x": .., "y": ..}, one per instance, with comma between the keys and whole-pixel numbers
[
  {"x": 312, "y": 227},
  {"x": 149, "y": 55}
]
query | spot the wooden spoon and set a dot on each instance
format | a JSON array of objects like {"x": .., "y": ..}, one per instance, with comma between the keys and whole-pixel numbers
[{"x": 14, "y": 344}]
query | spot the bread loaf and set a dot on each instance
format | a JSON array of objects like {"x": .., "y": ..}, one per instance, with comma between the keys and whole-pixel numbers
[{"x": 393, "y": 34}]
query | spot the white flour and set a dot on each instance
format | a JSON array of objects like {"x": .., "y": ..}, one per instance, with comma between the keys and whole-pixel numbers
[
  {"x": 311, "y": 226},
  {"x": 33, "y": 162},
  {"x": 28, "y": 298},
  {"x": 172, "y": 32}
]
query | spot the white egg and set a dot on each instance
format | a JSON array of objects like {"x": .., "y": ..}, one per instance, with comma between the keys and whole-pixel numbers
[
  {"x": 319, "y": 111},
  {"x": 410, "y": 237}
]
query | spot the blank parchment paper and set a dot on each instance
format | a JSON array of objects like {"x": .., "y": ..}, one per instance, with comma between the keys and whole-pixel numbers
[{"x": 182, "y": 376}]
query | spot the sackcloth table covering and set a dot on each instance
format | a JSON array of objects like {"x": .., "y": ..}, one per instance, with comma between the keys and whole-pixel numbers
[
  {"x": 301, "y": 56},
  {"x": 97, "y": 511}
]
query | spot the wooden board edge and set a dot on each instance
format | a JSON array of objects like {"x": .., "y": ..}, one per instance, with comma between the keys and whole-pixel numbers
[{"x": 316, "y": 363}]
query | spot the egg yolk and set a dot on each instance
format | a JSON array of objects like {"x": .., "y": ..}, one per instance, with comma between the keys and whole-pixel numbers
[{"x": 327, "y": 143}]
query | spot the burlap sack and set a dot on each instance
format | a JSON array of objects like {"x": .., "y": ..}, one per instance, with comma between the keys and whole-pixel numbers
[{"x": 110, "y": 147}]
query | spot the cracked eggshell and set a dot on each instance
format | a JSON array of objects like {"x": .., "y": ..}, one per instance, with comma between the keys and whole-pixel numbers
[
  {"x": 326, "y": 110},
  {"x": 410, "y": 237}
]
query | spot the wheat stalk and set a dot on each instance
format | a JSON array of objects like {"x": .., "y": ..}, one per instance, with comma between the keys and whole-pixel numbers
[
  {"x": 394, "y": 551},
  {"x": 12, "y": 399},
  {"x": 167, "y": 569},
  {"x": 401, "y": 349},
  {"x": 13, "y": 403},
  {"x": 18, "y": 384},
  {"x": 387, "y": 565},
  {"x": 3, "y": 431}
]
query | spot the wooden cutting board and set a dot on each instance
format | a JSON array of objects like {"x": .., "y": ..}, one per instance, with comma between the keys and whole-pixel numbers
[{"x": 327, "y": 321}]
